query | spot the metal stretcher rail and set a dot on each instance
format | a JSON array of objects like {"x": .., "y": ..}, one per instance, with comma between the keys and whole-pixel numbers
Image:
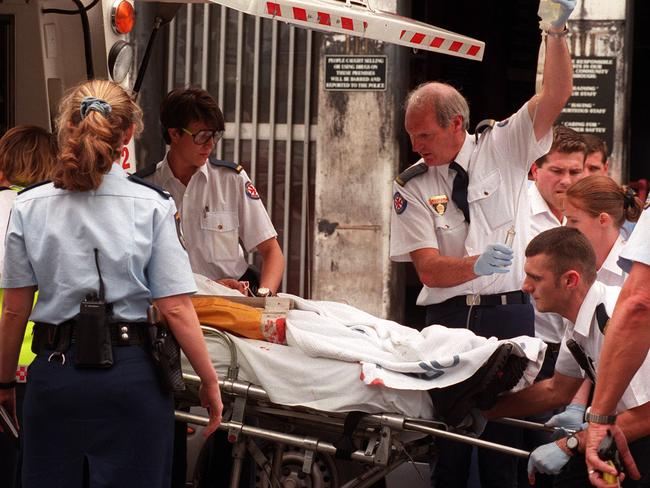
[{"x": 394, "y": 421}]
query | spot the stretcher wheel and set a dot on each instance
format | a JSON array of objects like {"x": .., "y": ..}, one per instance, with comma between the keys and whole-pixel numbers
[{"x": 323, "y": 474}]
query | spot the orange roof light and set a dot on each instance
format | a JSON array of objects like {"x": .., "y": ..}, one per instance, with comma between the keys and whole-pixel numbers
[{"x": 122, "y": 16}]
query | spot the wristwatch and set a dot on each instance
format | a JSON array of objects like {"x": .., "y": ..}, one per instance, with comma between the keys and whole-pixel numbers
[
  {"x": 572, "y": 443},
  {"x": 599, "y": 419},
  {"x": 263, "y": 292}
]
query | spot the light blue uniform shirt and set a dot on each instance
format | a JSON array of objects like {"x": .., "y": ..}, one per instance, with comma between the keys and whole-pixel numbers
[{"x": 52, "y": 233}]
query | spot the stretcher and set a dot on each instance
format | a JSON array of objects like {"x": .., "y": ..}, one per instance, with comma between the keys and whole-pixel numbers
[{"x": 306, "y": 436}]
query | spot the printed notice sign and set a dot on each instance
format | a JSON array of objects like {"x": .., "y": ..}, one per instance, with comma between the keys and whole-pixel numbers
[
  {"x": 363, "y": 73},
  {"x": 591, "y": 106}
]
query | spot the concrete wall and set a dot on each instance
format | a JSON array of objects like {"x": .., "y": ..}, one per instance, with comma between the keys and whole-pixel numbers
[{"x": 357, "y": 159}]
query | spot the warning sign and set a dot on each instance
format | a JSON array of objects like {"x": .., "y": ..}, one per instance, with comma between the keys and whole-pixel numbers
[
  {"x": 363, "y": 73},
  {"x": 591, "y": 106}
]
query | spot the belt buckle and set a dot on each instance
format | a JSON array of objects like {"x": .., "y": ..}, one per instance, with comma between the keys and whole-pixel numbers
[{"x": 472, "y": 300}]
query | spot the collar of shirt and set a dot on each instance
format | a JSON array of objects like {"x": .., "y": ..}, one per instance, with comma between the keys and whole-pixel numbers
[
  {"x": 116, "y": 170},
  {"x": 597, "y": 294},
  {"x": 610, "y": 263},
  {"x": 167, "y": 174},
  {"x": 464, "y": 155},
  {"x": 539, "y": 206}
]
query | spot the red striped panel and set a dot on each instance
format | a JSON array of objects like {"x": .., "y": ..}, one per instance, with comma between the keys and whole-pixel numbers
[
  {"x": 324, "y": 19},
  {"x": 437, "y": 42},
  {"x": 473, "y": 50},
  {"x": 417, "y": 38},
  {"x": 347, "y": 23},
  {"x": 273, "y": 9},
  {"x": 401, "y": 34},
  {"x": 299, "y": 13},
  {"x": 455, "y": 46}
]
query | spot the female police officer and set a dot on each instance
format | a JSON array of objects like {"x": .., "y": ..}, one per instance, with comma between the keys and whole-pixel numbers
[{"x": 94, "y": 411}]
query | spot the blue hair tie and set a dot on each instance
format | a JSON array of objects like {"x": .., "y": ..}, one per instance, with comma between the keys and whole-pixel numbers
[{"x": 89, "y": 104}]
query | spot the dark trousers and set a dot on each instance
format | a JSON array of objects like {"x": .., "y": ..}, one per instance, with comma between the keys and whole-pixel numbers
[
  {"x": 496, "y": 470},
  {"x": 9, "y": 453},
  {"x": 574, "y": 474},
  {"x": 97, "y": 427}
]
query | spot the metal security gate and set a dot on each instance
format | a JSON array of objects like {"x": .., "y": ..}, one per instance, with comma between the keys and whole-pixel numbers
[{"x": 264, "y": 75}]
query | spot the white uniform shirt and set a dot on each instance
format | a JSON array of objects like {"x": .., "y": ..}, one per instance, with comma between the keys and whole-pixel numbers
[
  {"x": 638, "y": 245},
  {"x": 219, "y": 207},
  {"x": 610, "y": 273},
  {"x": 549, "y": 327},
  {"x": 7, "y": 197},
  {"x": 587, "y": 333},
  {"x": 498, "y": 168}
]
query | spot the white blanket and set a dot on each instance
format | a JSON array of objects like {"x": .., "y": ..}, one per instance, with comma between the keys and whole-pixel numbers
[{"x": 394, "y": 355}]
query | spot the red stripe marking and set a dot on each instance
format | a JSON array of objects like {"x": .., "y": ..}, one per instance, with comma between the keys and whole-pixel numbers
[
  {"x": 455, "y": 46},
  {"x": 324, "y": 19},
  {"x": 417, "y": 38},
  {"x": 347, "y": 23},
  {"x": 365, "y": 25},
  {"x": 299, "y": 13},
  {"x": 273, "y": 8},
  {"x": 437, "y": 42},
  {"x": 401, "y": 34},
  {"x": 472, "y": 51}
]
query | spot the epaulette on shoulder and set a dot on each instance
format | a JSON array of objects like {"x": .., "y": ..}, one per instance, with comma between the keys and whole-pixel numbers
[
  {"x": 226, "y": 164},
  {"x": 602, "y": 317},
  {"x": 35, "y": 185},
  {"x": 411, "y": 172},
  {"x": 147, "y": 171},
  {"x": 136, "y": 179},
  {"x": 482, "y": 126}
]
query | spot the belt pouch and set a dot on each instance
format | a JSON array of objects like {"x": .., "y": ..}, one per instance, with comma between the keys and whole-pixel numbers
[
  {"x": 93, "y": 336},
  {"x": 167, "y": 356}
]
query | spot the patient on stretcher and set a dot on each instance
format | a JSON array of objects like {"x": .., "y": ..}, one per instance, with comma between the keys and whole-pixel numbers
[{"x": 335, "y": 357}]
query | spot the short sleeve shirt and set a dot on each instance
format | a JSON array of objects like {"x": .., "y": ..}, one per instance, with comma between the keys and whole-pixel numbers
[
  {"x": 219, "y": 208},
  {"x": 638, "y": 245},
  {"x": 7, "y": 197},
  {"x": 497, "y": 166},
  {"x": 549, "y": 326},
  {"x": 51, "y": 239},
  {"x": 586, "y": 332}
]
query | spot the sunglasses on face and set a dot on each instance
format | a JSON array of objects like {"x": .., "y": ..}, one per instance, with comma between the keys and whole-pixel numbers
[{"x": 203, "y": 136}]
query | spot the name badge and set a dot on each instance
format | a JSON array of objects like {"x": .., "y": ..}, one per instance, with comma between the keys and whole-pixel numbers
[{"x": 439, "y": 203}]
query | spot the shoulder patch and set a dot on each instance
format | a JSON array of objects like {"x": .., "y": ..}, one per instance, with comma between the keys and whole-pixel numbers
[
  {"x": 399, "y": 203},
  {"x": 226, "y": 164},
  {"x": 411, "y": 172},
  {"x": 147, "y": 171},
  {"x": 136, "y": 179},
  {"x": 482, "y": 126},
  {"x": 251, "y": 191},
  {"x": 602, "y": 318},
  {"x": 35, "y": 185}
]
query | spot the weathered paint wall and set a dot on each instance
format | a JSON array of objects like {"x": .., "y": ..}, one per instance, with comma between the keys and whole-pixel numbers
[{"x": 357, "y": 159}]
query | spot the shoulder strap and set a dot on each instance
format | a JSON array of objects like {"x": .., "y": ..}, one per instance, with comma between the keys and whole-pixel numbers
[
  {"x": 136, "y": 179},
  {"x": 146, "y": 171},
  {"x": 35, "y": 185},
  {"x": 602, "y": 317},
  {"x": 411, "y": 172},
  {"x": 482, "y": 126},
  {"x": 226, "y": 164}
]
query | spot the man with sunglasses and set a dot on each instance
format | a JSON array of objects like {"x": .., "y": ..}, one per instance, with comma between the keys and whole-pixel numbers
[
  {"x": 219, "y": 207},
  {"x": 218, "y": 204}
]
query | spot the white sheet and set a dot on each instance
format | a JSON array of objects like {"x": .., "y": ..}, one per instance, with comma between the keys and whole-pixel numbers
[
  {"x": 292, "y": 378},
  {"x": 394, "y": 355}
]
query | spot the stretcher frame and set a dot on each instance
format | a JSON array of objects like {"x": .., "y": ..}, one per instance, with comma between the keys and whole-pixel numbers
[{"x": 381, "y": 438}]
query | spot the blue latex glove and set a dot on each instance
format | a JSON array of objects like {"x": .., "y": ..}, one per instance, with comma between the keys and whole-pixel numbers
[
  {"x": 546, "y": 459},
  {"x": 572, "y": 418},
  {"x": 473, "y": 424},
  {"x": 497, "y": 258},
  {"x": 567, "y": 7}
]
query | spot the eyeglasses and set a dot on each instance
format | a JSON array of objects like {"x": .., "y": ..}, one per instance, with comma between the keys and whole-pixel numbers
[{"x": 203, "y": 136}]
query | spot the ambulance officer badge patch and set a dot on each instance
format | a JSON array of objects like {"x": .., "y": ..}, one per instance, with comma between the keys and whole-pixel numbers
[
  {"x": 399, "y": 203},
  {"x": 439, "y": 203},
  {"x": 251, "y": 192}
]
